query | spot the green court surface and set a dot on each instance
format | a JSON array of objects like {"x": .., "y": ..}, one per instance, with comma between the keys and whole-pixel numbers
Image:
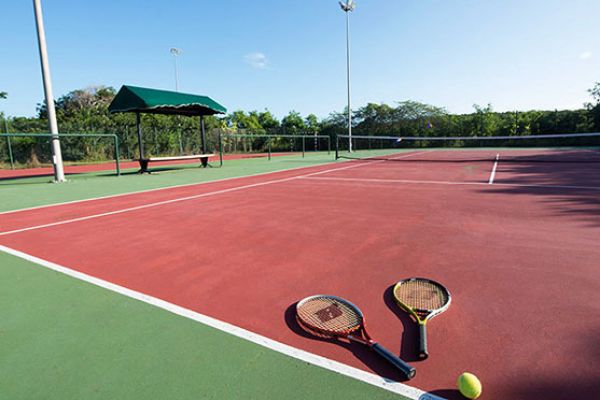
[
  {"x": 35, "y": 191},
  {"x": 61, "y": 338}
]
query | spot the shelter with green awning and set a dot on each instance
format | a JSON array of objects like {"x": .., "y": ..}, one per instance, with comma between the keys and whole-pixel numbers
[{"x": 153, "y": 101}]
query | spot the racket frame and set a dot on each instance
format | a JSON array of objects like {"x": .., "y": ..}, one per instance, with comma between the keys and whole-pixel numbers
[
  {"x": 422, "y": 316},
  {"x": 358, "y": 334}
]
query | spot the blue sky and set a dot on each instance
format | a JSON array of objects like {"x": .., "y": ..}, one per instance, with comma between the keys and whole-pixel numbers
[{"x": 285, "y": 55}]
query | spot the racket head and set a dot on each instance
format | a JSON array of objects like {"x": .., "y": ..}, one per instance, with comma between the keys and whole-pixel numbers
[
  {"x": 422, "y": 298},
  {"x": 328, "y": 316}
]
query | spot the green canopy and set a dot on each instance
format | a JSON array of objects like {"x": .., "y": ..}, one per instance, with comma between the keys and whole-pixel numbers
[{"x": 154, "y": 101}]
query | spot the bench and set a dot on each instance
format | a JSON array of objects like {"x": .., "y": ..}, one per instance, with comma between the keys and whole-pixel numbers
[{"x": 145, "y": 161}]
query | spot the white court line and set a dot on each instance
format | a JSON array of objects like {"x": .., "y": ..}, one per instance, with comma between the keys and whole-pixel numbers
[
  {"x": 424, "y": 182},
  {"x": 164, "y": 188},
  {"x": 493, "y": 174},
  {"x": 187, "y": 185},
  {"x": 331, "y": 365},
  {"x": 179, "y": 199}
]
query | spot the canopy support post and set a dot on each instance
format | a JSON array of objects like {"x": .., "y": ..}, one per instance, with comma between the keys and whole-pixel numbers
[
  {"x": 203, "y": 141},
  {"x": 143, "y": 164}
]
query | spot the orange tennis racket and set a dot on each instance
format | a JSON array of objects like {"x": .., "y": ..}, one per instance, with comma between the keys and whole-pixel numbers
[{"x": 333, "y": 317}]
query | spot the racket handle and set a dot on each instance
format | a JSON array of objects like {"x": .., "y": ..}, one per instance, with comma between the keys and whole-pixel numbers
[
  {"x": 407, "y": 370},
  {"x": 423, "y": 354}
]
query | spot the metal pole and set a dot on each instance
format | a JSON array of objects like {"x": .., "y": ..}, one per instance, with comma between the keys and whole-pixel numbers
[
  {"x": 139, "y": 134},
  {"x": 220, "y": 149},
  {"x": 10, "y": 153},
  {"x": 57, "y": 162},
  {"x": 347, "y": 7},
  {"x": 176, "y": 76},
  {"x": 203, "y": 139},
  {"x": 117, "y": 155},
  {"x": 176, "y": 52},
  {"x": 203, "y": 134},
  {"x": 269, "y": 149},
  {"x": 303, "y": 145},
  {"x": 9, "y": 144}
]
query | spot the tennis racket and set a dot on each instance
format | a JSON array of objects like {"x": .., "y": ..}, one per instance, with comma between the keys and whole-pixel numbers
[
  {"x": 423, "y": 299},
  {"x": 333, "y": 317}
]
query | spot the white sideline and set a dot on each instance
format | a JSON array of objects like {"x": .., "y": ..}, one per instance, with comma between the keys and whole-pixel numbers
[
  {"x": 331, "y": 365},
  {"x": 493, "y": 174},
  {"x": 162, "y": 188}
]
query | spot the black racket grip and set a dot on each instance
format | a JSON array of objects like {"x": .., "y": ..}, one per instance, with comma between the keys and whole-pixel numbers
[
  {"x": 408, "y": 371},
  {"x": 423, "y": 354}
]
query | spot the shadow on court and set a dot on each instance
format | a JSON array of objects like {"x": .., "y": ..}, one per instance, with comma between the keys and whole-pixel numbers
[
  {"x": 363, "y": 353},
  {"x": 569, "y": 188}
]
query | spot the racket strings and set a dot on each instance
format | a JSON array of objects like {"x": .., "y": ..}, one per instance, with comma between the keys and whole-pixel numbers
[
  {"x": 325, "y": 315},
  {"x": 421, "y": 295}
]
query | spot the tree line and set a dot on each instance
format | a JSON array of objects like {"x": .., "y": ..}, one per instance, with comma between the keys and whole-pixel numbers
[{"x": 86, "y": 111}]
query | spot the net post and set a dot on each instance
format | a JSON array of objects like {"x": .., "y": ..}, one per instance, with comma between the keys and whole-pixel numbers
[{"x": 337, "y": 147}]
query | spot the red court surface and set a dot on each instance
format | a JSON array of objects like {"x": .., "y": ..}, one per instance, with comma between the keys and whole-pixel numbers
[{"x": 520, "y": 258}]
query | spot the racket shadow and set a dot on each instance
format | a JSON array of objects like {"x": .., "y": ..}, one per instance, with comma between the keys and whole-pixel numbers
[
  {"x": 410, "y": 329},
  {"x": 363, "y": 353}
]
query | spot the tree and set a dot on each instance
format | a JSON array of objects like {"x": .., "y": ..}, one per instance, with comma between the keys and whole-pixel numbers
[
  {"x": 3, "y": 95},
  {"x": 594, "y": 106},
  {"x": 312, "y": 124},
  {"x": 375, "y": 118},
  {"x": 293, "y": 123},
  {"x": 486, "y": 120},
  {"x": 267, "y": 120}
]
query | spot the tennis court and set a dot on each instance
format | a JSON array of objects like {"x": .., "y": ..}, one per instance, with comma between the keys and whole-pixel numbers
[{"x": 515, "y": 242}]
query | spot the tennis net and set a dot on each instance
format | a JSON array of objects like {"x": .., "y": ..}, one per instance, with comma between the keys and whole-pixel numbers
[{"x": 576, "y": 148}]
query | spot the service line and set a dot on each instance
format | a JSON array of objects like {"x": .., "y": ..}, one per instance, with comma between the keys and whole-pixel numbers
[{"x": 493, "y": 174}]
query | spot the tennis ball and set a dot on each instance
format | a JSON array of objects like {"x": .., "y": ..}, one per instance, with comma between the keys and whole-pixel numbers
[{"x": 469, "y": 385}]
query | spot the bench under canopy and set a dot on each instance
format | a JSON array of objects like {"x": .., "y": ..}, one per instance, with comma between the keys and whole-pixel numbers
[{"x": 153, "y": 101}]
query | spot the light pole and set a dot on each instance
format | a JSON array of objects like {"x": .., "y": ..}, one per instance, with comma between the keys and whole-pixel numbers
[
  {"x": 57, "y": 162},
  {"x": 347, "y": 7},
  {"x": 176, "y": 52}
]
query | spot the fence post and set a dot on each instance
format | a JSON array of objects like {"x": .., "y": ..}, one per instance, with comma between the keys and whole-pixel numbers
[
  {"x": 117, "y": 155},
  {"x": 269, "y": 148},
  {"x": 220, "y": 149},
  {"x": 303, "y": 145},
  {"x": 10, "y": 154}
]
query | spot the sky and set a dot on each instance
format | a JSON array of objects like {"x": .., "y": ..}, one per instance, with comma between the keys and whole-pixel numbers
[{"x": 286, "y": 55}]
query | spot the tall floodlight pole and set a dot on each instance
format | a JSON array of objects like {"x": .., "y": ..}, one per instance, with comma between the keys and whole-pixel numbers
[
  {"x": 347, "y": 7},
  {"x": 176, "y": 53},
  {"x": 59, "y": 173}
]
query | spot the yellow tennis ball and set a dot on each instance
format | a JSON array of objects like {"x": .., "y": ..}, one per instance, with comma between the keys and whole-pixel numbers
[{"x": 469, "y": 385}]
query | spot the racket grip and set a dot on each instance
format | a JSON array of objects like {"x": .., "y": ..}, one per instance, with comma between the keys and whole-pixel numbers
[
  {"x": 423, "y": 354},
  {"x": 408, "y": 371}
]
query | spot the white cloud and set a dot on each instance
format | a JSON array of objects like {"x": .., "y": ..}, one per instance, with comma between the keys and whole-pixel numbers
[
  {"x": 257, "y": 60},
  {"x": 586, "y": 55}
]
